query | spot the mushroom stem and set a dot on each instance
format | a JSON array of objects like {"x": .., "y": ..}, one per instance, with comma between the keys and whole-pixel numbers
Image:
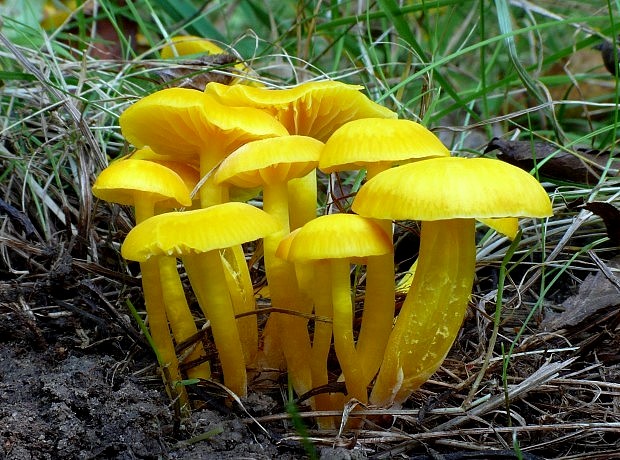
[
  {"x": 379, "y": 299},
  {"x": 158, "y": 327},
  {"x": 210, "y": 193},
  {"x": 242, "y": 299},
  {"x": 303, "y": 198},
  {"x": 292, "y": 330},
  {"x": 322, "y": 340},
  {"x": 432, "y": 312},
  {"x": 156, "y": 311},
  {"x": 233, "y": 260},
  {"x": 214, "y": 299},
  {"x": 143, "y": 210},
  {"x": 180, "y": 317},
  {"x": 344, "y": 342},
  {"x": 378, "y": 314}
]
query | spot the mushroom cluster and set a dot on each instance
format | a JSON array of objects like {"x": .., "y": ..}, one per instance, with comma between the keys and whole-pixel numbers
[{"x": 230, "y": 143}]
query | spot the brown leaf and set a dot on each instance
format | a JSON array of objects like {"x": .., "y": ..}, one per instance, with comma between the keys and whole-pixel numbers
[
  {"x": 196, "y": 73},
  {"x": 582, "y": 166},
  {"x": 595, "y": 293},
  {"x": 610, "y": 54},
  {"x": 611, "y": 218}
]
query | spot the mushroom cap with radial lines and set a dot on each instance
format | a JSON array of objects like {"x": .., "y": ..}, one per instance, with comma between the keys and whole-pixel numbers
[
  {"x": 335, "y": 236},
  {"x": 313, "y": 109},
  {"x": 126, "y": 181},
  {"x": 186, "y": 123},
  {"x": 194, "y": 232},
  {"x": 450, "y": 188},
  {"x": 386, "y": 141},
  {"x": 185, "y": 170},
  {"x": 268, "y": 161}
]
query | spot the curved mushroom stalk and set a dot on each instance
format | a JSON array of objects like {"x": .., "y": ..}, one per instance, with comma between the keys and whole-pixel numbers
[
  {"x": 181, "y": 234},
  {"x": 433, "y": 310},
  {"x": 145, "y": 185},
  {"x": 446, "y": 194},
  {"x": 333, "y": 241},
  {"x": 179, "y": 315},
  {"x": 379, "y": 306},
  {"x": 215, "y": 301},
  {"x": 293, "y": 334},
  {"x": 272, "y": 163},
  {"x": 159, "y": 329},
  {"x": 322, "y": 339},
  {"x": 239, "y": 281},
  {"x": 377, "y": 144},
  {"x": 344, "y": 340}
]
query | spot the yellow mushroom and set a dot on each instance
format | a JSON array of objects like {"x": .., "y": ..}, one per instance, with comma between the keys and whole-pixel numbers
[
  {"x": 143, "y": 184},
  {"x": 447, "y": 195},
  {"x": 377, "y": 144},
  {"x": 194, "y": 127},
  {"x": 184, "y": 45},
  {"x": 332, "y": 242},
  {"x": 181, "y": 234},
  {"x": 271, "y": 164}
]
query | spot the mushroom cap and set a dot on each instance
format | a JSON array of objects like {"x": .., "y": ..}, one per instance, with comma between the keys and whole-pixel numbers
[
  {"x": 452, "y": 187},
  {"x": 269, "y": 161},
  {"x": 507, "y": 226},
  {"x": 359, "y": 143},
  {"x": 285, "y": 244},
  {"x": 313, "y": 109},
  {"x": 185, "y": 122},
  {"x": 126, "y": 181},
  {"x": 336, "y": 236},
  {"x": 194, "y": 232},
  {"x": 189, "y": 44},
  {"x": 187, "y": 171}
]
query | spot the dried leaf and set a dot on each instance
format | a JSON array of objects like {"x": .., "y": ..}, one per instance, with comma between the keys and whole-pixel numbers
[
  {"x": 610, "y": 54},
  {"x": 595, "y": 293},
  {"x": 196, "y": 73},
  {"x": 611, "y": 218},
  {"x": 19, "y": 218},
  {"x": 582, "y": 166}
]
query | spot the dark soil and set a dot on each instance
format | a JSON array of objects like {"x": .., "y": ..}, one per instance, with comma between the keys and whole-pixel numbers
[
  {"x": 58, "y": 403},
  {"x": 72, "y": 398}
]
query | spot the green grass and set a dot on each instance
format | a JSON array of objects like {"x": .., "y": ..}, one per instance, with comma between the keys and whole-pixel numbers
[{"x": 470, "y": 70}]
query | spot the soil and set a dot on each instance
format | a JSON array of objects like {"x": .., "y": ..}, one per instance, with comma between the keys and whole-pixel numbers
[
  {"x": 61, "y": 403},
  {"x": 63, "y": 396}
]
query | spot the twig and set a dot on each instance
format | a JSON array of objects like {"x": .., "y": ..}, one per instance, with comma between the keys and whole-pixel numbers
[
  {"x": 543, "y": 375},
  {"x": 604, "y": 269}
]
